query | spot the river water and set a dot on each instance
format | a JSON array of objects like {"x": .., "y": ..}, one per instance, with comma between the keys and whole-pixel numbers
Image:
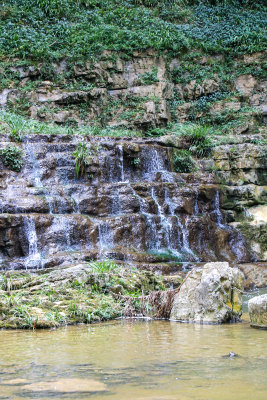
[{"x": 135, "y": 359}]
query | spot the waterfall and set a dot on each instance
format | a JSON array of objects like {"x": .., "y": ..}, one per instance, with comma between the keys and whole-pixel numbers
[
  {"x": 105, "y": 237},
  {"x": 153, "y": 240},
  {"x": 8, "y": 203},
  {"x": 121, "y": 163},
  {"x": 142, "y": 203},
  {"x": 64, "y": 229},
  {"x": 75, "y": 203},
  {"x": 35, "y": 167},
  {"x": 236, "y": 240},
  {"x": 112, "y": 166},
  {"x": 35, "y": 173},
  {"x": 165, "y": 223},
  {"x": 34, "y": 256},
  {"x": 196, "y": 209},
  {"x": 153, "y": 164},
  {"x": 116, "y": 203},
  {"x": 183, "y": 228},
  {"x": 217, "y": 211}
]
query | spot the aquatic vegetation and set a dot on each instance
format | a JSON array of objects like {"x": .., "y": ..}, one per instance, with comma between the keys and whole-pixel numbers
[{"x": 25, "y": 318}]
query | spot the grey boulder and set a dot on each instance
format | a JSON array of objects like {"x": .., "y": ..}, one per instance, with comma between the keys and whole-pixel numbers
[
  {"x": 257, "y": 308},
  {"x": 212, "y": 295}
]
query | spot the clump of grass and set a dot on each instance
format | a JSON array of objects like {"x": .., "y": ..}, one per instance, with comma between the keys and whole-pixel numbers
[
  {"x": 26, "y": 319},
  {"x": 197, "y": 136},
  {"x": 12, "y": 158},
  {"x": 103, "y": 266},
  {"x": 83, "y": 156},
  {"x": 21, "y": 125},
  {"x": 16, "y": 126}
]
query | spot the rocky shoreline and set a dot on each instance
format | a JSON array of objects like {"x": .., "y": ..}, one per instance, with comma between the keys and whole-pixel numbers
[{"x": 87, "y": 293}]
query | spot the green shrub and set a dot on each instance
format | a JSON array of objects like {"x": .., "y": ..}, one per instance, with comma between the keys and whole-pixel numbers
[
  {"x": 12, "y": 158},
  {"x": 183, "y": 162}
]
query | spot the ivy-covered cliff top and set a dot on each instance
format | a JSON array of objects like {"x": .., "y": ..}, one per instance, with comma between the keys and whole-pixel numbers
[{"x": 77, "y": 29}]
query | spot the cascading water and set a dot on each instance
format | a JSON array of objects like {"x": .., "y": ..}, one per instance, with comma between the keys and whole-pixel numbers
[
  {"x": 34, "y": 257},
  {"x": 127, "y": 209},
  {"x": 196, "y": 209},
  {"x": 183, "y": 228},
  {"x": 152, "y": 237},
  {"x": 166, "y": 226},
  {"x": 217, "y": 211},
  {"x": 105, "y": 236},
  {"x": 35, "y": 170},
  {"x": 116, "y": 203},
  {"x": 236, "y": 241},
  {"x": 121, "y": 163},
  {"x": 63, "y": 229},
  {"x": 153, "y": 164},
  {"x": 3, "y": 98}
]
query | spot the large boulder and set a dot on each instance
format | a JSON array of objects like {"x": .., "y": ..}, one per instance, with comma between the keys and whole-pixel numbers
[
  {"x": 257, "y": 308},
  {"x": 210, "y": 295}
]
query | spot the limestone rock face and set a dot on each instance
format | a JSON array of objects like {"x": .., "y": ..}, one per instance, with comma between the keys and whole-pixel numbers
[
  {"x": 257, "y": 308},
  {"x": 255, "y": 275},
  {"x": 210, "y": 295}
]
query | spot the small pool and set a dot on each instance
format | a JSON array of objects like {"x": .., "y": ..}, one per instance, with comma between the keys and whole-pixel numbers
[{"x": 135, "y": 359}]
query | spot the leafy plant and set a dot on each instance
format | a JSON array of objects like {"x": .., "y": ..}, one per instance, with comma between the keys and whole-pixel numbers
[
  {"x": 183, "y": 162},
  {"x": 78, "y": 29},
  {"x": 136, "y": 162},
  {"x": 12, "y": 158},
  {"x": 149, "y": 77},
  {"x": 83, "y": 156},
  {"x": 12, "y": 299}
]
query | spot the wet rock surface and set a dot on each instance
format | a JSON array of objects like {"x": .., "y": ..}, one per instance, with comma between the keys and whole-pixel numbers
[
  {"x": 135, "y": 212},
  {"x": 209, "y": 295},
  {"x": 257, "y": 308}
]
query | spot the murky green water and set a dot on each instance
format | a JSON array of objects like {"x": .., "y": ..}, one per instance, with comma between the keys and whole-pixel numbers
[{"x": 135, "y": 360}]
